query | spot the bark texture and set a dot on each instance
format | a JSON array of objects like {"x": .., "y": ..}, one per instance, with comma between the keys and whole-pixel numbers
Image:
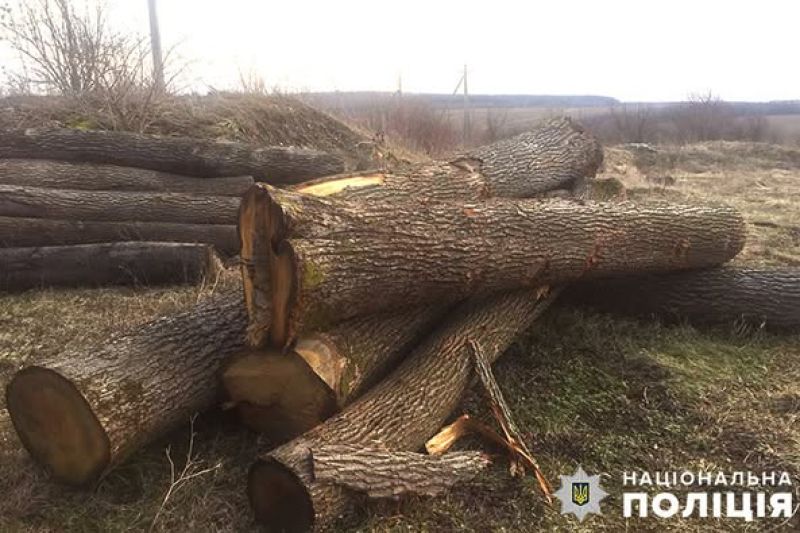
[
  {"x": 121, "y": 263},
  {"x": 417, "y": 254},
  {"x": 380, "y": 473},
  {"x": 99, "y": 177},
  {"x": 758, "y": 296},
  {"x": 400, "y": 413},
  {"x": 556, "y": 155},
  {"x": 110, "y": 206},
  {"x": 179, "y": 155},
  {"x": 130, "y": 390},
  {"x": 26, "y": 232}
]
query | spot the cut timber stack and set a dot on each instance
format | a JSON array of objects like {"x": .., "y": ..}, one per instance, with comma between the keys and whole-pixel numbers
[
  {"x": 369, "y": 300},
  {"x": 61, "y": 187}
]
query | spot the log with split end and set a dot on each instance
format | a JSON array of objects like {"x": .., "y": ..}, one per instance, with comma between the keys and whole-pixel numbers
[
  {"x": 445, "y": 252},
  {"x": 286, "y": 394}
]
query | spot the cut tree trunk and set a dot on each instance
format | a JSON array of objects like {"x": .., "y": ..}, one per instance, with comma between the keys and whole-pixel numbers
[
  {"x": 92, "y": 265},
  {"x": 98, "y": 177},
  {"x": 26, "y": 232},
  {"x": 413, "y": 254},
  {"x": 286, "y": 394},
  {"x": 179, "y": 155},
  {"x": 567, "y": 151},
  {"x": 557, "y": 154},
  {"x": 111, "y": 206},
  {"x": 400, "y": 413},
  {"x": 82, "y": 412},
  {"x": 767, "y": 297}
]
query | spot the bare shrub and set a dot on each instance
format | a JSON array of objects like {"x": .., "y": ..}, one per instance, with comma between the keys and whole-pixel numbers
[
  {"x": 77, "y": 54},
  {"x": 496, "y": 125}
]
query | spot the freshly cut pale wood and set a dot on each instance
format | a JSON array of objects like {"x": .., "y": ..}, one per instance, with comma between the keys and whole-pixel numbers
[
  {"x": 400, "y": 413},
  {"x": 416, "y": 253},
  {"x": 110, "y": 206},
  {"x": 121, "y": 263},
  {"x": 285, "y": 394},
  {"x": 84, "y": 411},
  {"x": 180, "y": 155},
  {"x": 25, "y": 232},
  {"x": 98, "y": 177}
]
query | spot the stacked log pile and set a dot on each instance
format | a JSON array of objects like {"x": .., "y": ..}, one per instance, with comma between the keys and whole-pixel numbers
[
  {"x": 370, "y": 303},
  {"x": 62, "y": 187}
]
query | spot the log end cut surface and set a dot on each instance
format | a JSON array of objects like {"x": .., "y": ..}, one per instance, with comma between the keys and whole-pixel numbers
[
  {"x": 278, "y": 497},
  {"x": 57, "y": 426},
  {"x": 277, "y": 394}
]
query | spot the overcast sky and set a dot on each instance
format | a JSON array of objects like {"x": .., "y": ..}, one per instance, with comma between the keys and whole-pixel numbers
[{"x": 645, "y": 50}]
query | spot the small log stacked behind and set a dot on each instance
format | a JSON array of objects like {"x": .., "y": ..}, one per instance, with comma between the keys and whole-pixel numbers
[
  {"x": 757, "y": 296},
  {"x": 180, "y": 155},
  {"x": 117, "y": 263}
]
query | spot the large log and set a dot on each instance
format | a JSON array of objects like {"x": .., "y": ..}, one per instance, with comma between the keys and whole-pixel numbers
[
  {"x": 82, "y": 412},
  {"x": 111, "y": 206},
  {"x": 98, "y": 177},
  {"x": 25, "y": 232},
  {"x": 768, "y": 297},
  {"x": 417, "y": 253},
  {"x": 400, "y": 413},
  {"x": 180, "y": 155},
  {"x": 556, "y": 154},
  {"x": 285, "y": 394},
  {"x": 92, "y": 265}
]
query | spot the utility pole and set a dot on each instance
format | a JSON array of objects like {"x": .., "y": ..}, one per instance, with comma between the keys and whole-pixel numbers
[
  {"x": 155, "y": 45},
  {"x": 467, "y": 125}
]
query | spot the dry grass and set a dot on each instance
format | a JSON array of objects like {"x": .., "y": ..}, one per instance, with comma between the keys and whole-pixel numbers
[{"x": 611, "y": 394}]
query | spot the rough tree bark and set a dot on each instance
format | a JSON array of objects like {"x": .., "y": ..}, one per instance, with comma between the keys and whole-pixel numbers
[
  {"x": 180, "y": 155},
  {"x": 285, "y": 394},
  {"x": 120, "y": 263},
  {"x": 111, "y": 206},
  {"x": 98, "y": 177},
  {"x": 758, "y": 296},
  {"x": 381, "y": 473},
  {"x": 25, "y": 232},
  {"x": 413, "y": 254},
  {"x": 400, "y": 413},
  {"x": 556, "y": 154},
  {"x": 80, "y": 413}
]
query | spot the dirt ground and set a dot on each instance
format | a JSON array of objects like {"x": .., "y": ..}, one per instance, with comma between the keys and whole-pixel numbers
[{"x": 607, "y": 393}]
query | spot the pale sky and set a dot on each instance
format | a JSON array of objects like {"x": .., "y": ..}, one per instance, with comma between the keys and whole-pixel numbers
[{"x": 645, "y": 50}]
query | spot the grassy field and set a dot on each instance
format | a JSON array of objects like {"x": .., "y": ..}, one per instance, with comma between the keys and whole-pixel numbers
[{"x": 607, "y": 393}]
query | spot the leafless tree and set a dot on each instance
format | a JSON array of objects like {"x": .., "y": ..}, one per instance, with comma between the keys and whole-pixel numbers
[{"x": 76, "y": 53}]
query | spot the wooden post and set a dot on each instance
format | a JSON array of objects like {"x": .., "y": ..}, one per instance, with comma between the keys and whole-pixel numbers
[{"x": 155, "y": 44}]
